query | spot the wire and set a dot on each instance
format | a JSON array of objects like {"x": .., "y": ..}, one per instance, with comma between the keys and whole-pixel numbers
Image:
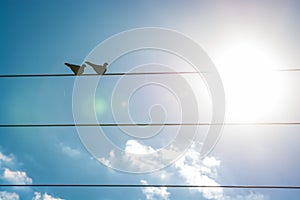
[
  {"x": 117, "y": 74},
  {"x": 142, "y": 124},
  {"x": 151, "y": 124},
  {"x": 156, "y": 185},
  {"x": 288, "y": 70},
  {"x": 107, "y": 74}
]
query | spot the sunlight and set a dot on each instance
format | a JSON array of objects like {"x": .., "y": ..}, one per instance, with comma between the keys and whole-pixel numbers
[{"x": 253, "y": 88}]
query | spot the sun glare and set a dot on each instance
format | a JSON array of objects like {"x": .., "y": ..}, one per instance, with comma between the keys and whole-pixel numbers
[
  {"x": 100, "y": 106},
  {"x": 253, "y": 87}
]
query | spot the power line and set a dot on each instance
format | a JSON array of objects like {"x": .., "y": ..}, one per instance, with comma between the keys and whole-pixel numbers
[
  {"x": 150, "y": 124},
  {"x": 156, "y": 185},
  {"x": 106, "y": 74},
  {"x": 288, "y": 70},
  {"x": 117, "y": 74},
  {"x": 143, "y": 124}
]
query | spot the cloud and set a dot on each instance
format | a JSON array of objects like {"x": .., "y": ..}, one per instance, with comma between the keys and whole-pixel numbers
[
  {"x": 139, "y": 158},
  {"x": 17, "y": 177},
  {"x": 196, "y": 171},
  {"x": 108, "y": 161},
  {"x": 251, "y": 196},
  {"x": 136, "y": 157},
  {"x": 5, "y": 159},
  {"x": 193, "y": 169},
  {"x": 69, "y": 151},
  {"x": 9, "y": 195},
  {"x": 155, "y": 193},
  {"x": 134, "y": 147},
  {"x": 45, "y": 196},
  {"x": 211, "y": 162}
]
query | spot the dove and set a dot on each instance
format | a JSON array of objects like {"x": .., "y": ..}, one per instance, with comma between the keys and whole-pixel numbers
[
  {"x": 100, "y": 69},
  {"x": 78, "y": 70}
]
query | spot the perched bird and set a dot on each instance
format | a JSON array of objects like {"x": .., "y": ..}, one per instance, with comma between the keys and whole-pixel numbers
[
  {"x": 78, "y": 70},
  {"x": 100, "y": 69}
]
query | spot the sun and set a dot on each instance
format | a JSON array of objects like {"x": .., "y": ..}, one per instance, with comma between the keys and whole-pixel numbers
[{"x": 253, "y": 87}]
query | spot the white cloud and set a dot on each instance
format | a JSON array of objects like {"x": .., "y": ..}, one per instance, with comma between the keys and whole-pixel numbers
[
  {"x": 107, "y": 162},
  {"x": 191, "y": 167},
  {"x": 139, "y": 158},
  {"x": 136, "y": 157},
  {"x": 37, "y": 196},
  {"x": 5, "y": 159},
  {"x": 134, "y": 160},
  {"x": 155, "y": 193},
  {"x": 211, "y": 162},
  {"x": 251, "y": 196},
  {"x": 45, "y": 196},
  {"x": 134, "y": 147},
  {"x": 8, "y": 195},
  {"x": 196, "y": 171},
  {"x": 18, "y": 177},
  {"x": 69, "y": 151}
]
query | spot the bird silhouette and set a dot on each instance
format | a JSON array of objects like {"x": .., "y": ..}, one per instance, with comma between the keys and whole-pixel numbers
[
  {"x": 77, "y": 69},
  {"x": 100, "y": 69}
]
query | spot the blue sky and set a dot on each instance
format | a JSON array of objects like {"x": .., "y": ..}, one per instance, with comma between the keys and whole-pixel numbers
[{"x": 247, "y": 40}]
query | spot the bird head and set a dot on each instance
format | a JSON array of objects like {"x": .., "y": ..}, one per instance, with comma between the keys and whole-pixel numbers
[{"x": 105, "y": 64}]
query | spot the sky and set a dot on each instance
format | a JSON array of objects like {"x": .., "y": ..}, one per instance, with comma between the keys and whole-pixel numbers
[{"x": 249, "y": 42}]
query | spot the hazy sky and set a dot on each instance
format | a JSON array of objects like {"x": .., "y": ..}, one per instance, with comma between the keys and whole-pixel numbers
[{"x": 249, "y": 41}]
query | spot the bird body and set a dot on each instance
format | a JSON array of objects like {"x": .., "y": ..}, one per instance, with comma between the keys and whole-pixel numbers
[
  {"x": 78, "y": 70},
  {"x": 100, "y": 69}
]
